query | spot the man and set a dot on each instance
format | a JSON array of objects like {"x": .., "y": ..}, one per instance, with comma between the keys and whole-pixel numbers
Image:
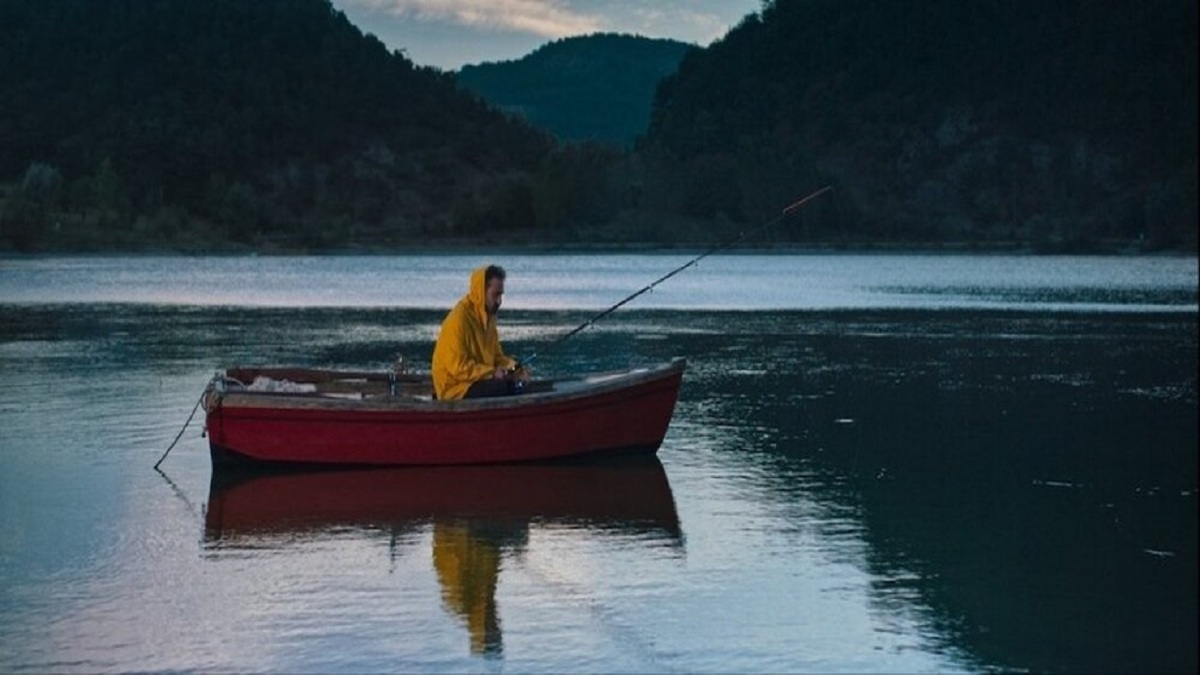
[{"x": 468, "y": 361}]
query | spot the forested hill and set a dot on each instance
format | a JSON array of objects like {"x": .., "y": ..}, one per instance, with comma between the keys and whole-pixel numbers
[
  {"x": 1058, "y": 121},
  {"x": 278, "y": 125},
  {"x": 597, "y": 87},
  {"x": 133, "y": 123}
]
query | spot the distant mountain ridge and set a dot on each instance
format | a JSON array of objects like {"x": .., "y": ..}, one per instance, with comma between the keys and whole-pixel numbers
[{"x": 596, "y": 87}]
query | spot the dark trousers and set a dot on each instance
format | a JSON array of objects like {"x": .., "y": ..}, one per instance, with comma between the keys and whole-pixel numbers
[{"x": 486, "y": 388}]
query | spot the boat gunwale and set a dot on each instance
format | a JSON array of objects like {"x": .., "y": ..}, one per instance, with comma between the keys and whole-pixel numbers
[{"x": 613, "y": 381}]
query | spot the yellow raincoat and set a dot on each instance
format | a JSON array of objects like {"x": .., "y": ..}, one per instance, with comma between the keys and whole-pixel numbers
[{"x": 468, "y": 346}]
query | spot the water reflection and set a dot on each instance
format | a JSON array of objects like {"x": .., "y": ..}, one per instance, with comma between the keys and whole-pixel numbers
[
  {"x": 466, "y": 556},
  {"x": 1028, "y": 487},
  {"x": 477, "y": 515},
  {"x": 1048, "y": 577}
]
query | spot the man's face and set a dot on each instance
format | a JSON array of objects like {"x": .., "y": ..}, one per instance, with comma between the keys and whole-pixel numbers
[{"x": 493, "y": 295}]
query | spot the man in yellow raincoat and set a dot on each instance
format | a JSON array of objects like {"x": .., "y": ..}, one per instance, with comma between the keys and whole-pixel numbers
[{"x": 468, "y": 361}]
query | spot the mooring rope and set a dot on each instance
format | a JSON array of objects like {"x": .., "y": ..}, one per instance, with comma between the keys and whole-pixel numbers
[{"x": 185, "y": 426}]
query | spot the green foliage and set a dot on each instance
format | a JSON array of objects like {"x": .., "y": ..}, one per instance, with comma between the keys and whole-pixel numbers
[
  {"x": 506, "y": 208},
  {"x": 42, "y": 185},
  {"x": 107, "y": 190},
  {"x": 260, "y": 121},
  {"x": 276, "y": 124},
  {"x": 577, "y": 185},
  {"x": 941, "y": 120}
]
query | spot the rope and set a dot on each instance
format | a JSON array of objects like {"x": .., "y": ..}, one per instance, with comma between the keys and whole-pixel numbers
[{"x": 185, "y": 426}]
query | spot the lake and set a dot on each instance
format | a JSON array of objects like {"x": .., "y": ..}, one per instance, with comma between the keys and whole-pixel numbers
[{"x": 878, "y": 463}]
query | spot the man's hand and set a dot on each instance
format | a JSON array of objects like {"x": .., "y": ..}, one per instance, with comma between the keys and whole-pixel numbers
[{"x": 519, "y": 373}]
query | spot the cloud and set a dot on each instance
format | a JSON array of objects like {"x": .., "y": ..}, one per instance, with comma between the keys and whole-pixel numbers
[
  {"x": 682, "y": 23},
  {"x": 545, "y": 18}
]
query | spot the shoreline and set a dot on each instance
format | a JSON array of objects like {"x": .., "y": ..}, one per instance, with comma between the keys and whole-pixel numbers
[{"x": 470, "y": 246}]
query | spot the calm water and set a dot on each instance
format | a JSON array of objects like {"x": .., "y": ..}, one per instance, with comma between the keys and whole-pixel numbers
[{"x": 877, "y": 463}]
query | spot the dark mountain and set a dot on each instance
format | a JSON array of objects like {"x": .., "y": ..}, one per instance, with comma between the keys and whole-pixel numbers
[
  {"x": 194, "y": 122},
  {"x": 1061, "y": 122},
  {"x": 597, "y": 87},
  {"x": 199, "y": 124}
]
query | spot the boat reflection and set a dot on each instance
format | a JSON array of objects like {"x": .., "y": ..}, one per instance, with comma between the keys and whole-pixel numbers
[
  {"x": 630, "y": 495},
  {"x": 476, "y": 514}
]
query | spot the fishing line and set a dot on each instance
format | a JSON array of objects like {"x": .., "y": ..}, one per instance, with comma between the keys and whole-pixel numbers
[{"x": 794, "y": 206}]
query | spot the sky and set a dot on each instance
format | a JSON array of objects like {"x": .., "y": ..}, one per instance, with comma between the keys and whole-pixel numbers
[{"x": 449, "y": 34}]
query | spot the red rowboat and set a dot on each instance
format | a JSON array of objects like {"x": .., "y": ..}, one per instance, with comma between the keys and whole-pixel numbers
[{"x": 300, "y": 416}]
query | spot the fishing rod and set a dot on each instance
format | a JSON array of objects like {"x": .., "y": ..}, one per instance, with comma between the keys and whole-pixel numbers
[{"x": 648, "y": 287}]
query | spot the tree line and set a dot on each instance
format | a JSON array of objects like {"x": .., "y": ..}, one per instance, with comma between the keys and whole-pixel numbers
[
  {"x": 223, "y": 124},
  {"x": 131, "y": 123},
  {"x": 1062, "y": 123}
]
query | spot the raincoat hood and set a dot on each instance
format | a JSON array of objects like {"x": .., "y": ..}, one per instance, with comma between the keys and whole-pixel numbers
[{"x": 477, "y": 294}]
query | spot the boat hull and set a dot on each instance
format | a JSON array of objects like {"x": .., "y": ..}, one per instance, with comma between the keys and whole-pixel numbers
[{"x": 623, "y": 414}]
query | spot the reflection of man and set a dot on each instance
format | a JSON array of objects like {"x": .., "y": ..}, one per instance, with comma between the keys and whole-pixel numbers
[
  {"x": 467, "y": 567},
  {"x": 468, "y": 361}
]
